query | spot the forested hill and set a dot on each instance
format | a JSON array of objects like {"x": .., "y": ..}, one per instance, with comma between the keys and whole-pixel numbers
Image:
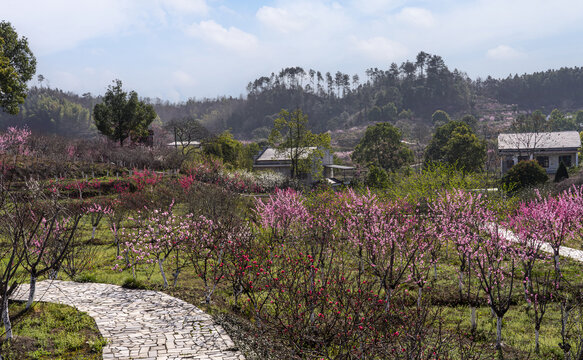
[
  {"x": 562, "y": 89},
  {"x": 408, "y": 93}
]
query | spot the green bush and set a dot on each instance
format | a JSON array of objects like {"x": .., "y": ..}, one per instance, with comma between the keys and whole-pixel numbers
[
  {"x": 85, "y": 278},
  {"x": 377, "y": 178},
  {"x": 131, "y": 283},
  {"x": 562, "y": 173},
  {"x": 524, "y": 174}
]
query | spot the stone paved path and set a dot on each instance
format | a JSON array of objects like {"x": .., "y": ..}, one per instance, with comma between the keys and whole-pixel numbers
[
  {"x": 141, "y": 324},
  {"x": 563, "y": 250}
]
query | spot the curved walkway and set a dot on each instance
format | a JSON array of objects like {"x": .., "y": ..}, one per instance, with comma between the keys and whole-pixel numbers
[
  {"x": 141, "y": 324},
  {"x": 564, "y": 251}
]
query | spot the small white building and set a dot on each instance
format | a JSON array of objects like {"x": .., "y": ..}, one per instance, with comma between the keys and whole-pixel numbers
[
  {"x": 185, "y": 143},
  {"x": 280, "y": 162},
  {"x": 547, "y": 148}
]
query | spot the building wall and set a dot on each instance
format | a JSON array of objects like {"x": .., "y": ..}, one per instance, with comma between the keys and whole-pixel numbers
[{"x": 550, "y": 164}]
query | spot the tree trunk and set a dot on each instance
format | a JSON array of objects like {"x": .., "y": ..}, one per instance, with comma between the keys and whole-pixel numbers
[
  {"x": 6, "y": 320},
  {"x": 536, "y": 342},
  {"x": 473, "y": 319},
  {"x": 160, "y": 262},
  {"x": 461, "y": 283},
  {"x": 498, "y": 332},
  {"x": 388, "y": 299},
  {"x": 93, "y": 233},
  {"x": 32, "y": 291},
  {"x": 175, "y": 278},
  {"x": 419, "y": 296}
]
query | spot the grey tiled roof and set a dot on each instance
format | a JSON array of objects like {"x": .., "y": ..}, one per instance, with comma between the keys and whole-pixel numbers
[{"x": 546, "y": 140}]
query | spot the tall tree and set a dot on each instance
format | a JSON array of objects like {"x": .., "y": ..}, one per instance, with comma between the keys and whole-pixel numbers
[
  {"x": 559, "y": 122},
  {"x": 455, "y": 143},
  {"x": 122, "y": 115},
  {"x": 17, "y": 66},
  {"x": 381, "y": 146},
  {"x": 291, "y": 136}
]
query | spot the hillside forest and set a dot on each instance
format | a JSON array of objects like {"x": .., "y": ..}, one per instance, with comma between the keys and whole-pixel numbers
[{"x": 405, "y": 95}]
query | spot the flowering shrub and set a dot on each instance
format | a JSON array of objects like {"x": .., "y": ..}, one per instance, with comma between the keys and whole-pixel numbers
[
  {"x": 154, "y": 238},
  {"x": 241, "y": 181},
  {"x": 145, "y": 178},
  {"x": 15, "y": 140}
]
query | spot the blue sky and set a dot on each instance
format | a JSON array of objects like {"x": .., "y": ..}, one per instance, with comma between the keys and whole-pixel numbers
[{"x": 179, "y": 49}]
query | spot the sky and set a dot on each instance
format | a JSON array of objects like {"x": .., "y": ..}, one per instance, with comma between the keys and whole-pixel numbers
[{"x": 181, "y": 49}]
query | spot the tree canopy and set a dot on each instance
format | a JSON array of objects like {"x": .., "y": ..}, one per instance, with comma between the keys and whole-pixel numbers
[
  {"x": 187, "y": 130},
  {"x": 440, "y": 117},
  {"x": 291, "y": 136},
  {"x": 122, "y": 115},
  {"x": 381, "y": 146},
  {"x": 455, "y": 143},
  {"x": 17, "y": 66}
]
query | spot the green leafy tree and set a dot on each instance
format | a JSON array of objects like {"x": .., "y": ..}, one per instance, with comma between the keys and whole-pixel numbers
[
  {"x": 223, "y": 146},
  {"x": 470, "y": 120},
  {"x": 377, "y": 178},
  {"x": 524, "y": 174},
  {"x": 291, "y": 136},
  {"x": 390, "y": 112},
  {"x": 559, "y": 122},
  {"x": 381, "y": 146},
  {"x": 532, "y": 123},
  {"x": 440, "y": 117},
  {"x": 122, "y": 115},
  {"x": 456, "y": 144},
  {"x": 375, "y": 114},
  {"x": 17, "y": 66},
  {"x": 579, "y": 118}
]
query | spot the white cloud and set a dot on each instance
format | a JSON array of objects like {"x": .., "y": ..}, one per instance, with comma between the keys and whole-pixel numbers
[
  {"x": 281, "y": 19},
  {"x": 380, "y": 49},
  {"x": 182, "y": 78},
  {"x": 417, "y": 17},
  {"x": 58, "y": 25},
  {"x": 231, "y": 38},
  {"x": 187, "y": 6},
  {"x": 504, "y": 52},
  {"x": 376, "y": 6},
  {"x": 492, "y": 20},
  {"x": 311, "y": 17}
]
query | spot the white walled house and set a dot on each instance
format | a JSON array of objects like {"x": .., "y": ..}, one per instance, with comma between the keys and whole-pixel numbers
[
  {"x": 280, "y": 162},
  {"x": 547, "y": 148}
]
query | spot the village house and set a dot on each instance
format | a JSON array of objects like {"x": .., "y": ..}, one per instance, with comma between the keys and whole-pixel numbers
[
  {"x": 280, "y": 162},
  {"x": 549, "y": 149}
]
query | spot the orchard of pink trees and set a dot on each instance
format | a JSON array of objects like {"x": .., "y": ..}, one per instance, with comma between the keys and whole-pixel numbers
[
  {"x": 342, "y": 275},
  {"x": 332, "y": 275}
]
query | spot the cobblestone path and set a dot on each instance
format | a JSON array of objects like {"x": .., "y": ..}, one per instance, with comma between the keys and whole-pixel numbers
[{"x": 141, "y": 324}]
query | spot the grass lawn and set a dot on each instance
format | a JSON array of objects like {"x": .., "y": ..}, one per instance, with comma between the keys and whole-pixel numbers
[{"x": 52, "y": 331}]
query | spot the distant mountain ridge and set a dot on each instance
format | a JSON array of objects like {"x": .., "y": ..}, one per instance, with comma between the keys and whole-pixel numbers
[{"x": 405, "y": 94}]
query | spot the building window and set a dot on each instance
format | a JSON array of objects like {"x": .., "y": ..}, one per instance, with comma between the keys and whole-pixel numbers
[
  {"x": 509, "y": 163},
  {"x": 565, "y": 159},
  {"x": 543, "y": 161},
  {"x": 523, "y": 158}
]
